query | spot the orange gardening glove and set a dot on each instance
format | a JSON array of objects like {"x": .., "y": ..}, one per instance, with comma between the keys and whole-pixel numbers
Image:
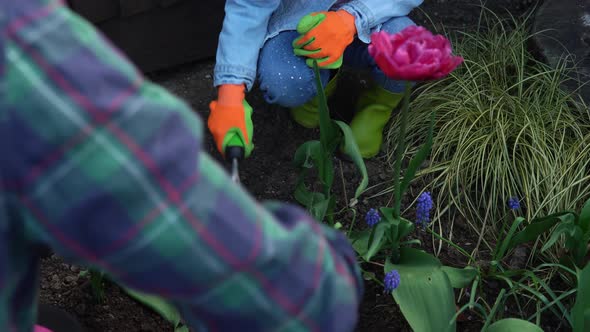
[
  {"x": 325, "y": 36},
  {"x": 230, "y": 120}
]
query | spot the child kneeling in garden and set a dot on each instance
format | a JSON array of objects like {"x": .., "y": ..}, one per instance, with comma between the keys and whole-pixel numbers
[{"x": 276, "y": 42}]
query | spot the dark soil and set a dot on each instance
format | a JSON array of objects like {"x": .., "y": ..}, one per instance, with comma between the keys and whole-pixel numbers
[{"x": 269, "y": 174}]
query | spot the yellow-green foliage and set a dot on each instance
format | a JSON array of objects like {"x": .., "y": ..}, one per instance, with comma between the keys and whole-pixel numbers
[{"x": 504, "y": 128}]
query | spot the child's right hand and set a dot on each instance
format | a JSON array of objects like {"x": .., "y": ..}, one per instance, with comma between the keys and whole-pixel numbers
[{"x": 230, "y": 120}]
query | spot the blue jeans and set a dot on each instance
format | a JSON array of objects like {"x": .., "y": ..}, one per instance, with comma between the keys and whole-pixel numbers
[{"x": 286, "y": 80}]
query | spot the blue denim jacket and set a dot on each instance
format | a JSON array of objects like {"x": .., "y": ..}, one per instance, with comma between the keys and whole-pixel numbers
[{"x": 249, "y": 23}]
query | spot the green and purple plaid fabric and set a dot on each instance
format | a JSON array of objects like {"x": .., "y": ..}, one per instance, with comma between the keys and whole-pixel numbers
[{"x": 107, "y": 169}]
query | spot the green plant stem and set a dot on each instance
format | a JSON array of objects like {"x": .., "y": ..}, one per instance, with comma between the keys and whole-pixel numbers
[
  {"x": 352, "y": 223},
  {"x": 401, "y": 146}
]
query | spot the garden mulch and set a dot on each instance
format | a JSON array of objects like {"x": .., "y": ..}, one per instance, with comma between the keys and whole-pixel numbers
[{"x": 269, "y": 174}]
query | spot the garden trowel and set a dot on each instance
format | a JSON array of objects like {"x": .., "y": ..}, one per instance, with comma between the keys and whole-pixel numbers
[{"x": 234, "y": 154}]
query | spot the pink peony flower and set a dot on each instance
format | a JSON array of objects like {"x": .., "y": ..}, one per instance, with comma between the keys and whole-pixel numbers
[{"x": 413, "y": 54}]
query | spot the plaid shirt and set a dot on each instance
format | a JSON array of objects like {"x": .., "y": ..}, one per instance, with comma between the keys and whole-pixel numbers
[{"x": 107, "y": 169}]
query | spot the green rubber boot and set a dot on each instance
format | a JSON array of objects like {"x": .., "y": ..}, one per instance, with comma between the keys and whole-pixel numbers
[
  {"x": 374, "y": 109},
  {"x": 308, "y": 114}
]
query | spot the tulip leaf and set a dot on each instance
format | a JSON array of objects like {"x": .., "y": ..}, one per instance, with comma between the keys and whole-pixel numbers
[
  {"x": 329, "y": 134},
  {"x": 351, "y": 149},
  {"x": 584, "y": 220},
  {"x": 538, "y": 227},
  {"x": 316, "y": 203},
  {"x": 561, "y": 229},
  {"x": 311, "y": 154},
  {"x": 460, "y": 278},
  {"x": 581, "y": 310},
  {"x": 513, "y": 325},
  {"x": 425, "y": 294},
  {"x": 303, "y": 155}
]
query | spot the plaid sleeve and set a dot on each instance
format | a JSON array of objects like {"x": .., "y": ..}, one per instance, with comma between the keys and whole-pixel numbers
[{"x": 107, "y": 168}]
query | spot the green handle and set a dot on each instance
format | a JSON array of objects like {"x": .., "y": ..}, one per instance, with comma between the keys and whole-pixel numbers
[{"x": 236, "y": 139}]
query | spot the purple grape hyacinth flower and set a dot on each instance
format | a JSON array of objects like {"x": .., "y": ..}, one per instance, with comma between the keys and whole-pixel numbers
[
  {"x": 513, "y": 203},
  {"x": 372, "y": 217},
  {"x": 391, "y": 281},
  {"x": 423, "y": 208}
]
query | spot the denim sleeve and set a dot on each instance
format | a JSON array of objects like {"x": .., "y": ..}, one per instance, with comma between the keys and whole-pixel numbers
[
  {"x": 370, "y": 14},
  {"x": 241, "y": 38}
]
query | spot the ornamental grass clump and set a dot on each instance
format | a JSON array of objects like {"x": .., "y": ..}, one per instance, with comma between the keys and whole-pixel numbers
[{"x": 504, "y": 128}]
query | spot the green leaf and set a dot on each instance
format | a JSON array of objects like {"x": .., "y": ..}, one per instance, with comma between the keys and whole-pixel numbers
[
  {"x": 311, "y": 154},
  {"x": 581, "y": 309},
  {"x": 387, "y": 214},
  {"x": 460, "y": 278},
  {"x": 316, "y": 203},
  {"x": 376, "y": 240},
  {"x": 513, "y": 325},
  {"x": 360, "y": 241},
  {"x": 419, "y": 158},
  {"x": 305, "y": 152},
  {"x": 163, "y": 308},
  {"x": 306, "y": 197},
  {"x": 564, "y": 228},
  {"x": 351, "y": 149},
  {"x": 368, "y": 275},
  {"x": 328, "y": 133},
  {"x": 388, "y": 218},
  {"x": 537, "y": 227},
  {"x": 308, "y": 155},
  {"x": 425, "y": 295},
  {"x": 584, "y": 220},
  {"x": 405, "y": 228},
  {"x": 504, "y": 247},
  {"x": 325, "y": 165}
]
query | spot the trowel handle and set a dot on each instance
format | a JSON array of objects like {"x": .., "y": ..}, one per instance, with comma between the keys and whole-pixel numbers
[{"x": 234, "y": 152}]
